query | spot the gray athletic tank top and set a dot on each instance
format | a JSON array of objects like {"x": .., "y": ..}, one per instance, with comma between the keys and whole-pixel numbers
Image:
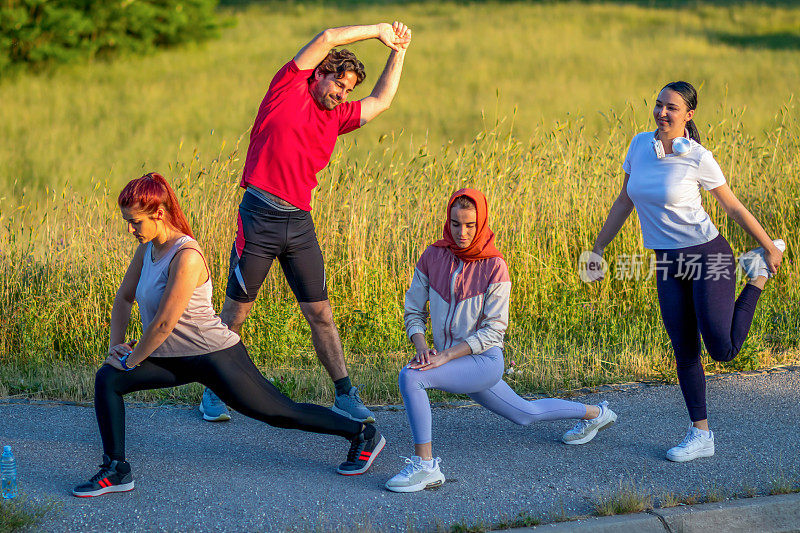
[{"x": 199, "y": 330}]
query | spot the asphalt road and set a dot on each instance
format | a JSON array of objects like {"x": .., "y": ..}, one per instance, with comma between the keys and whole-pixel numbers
[{"x": 242, "y": 475}]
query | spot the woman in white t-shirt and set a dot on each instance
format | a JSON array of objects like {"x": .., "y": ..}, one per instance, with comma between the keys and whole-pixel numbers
[{"x": 695, "y": 266}]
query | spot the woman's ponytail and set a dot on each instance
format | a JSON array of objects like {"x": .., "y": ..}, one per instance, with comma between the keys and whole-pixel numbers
[
  {"x": 694, "y": 134},
  {"x": 150, "y": 192}
]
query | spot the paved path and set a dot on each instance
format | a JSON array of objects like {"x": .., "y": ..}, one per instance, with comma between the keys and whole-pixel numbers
[{"x": 242, "y": 475}]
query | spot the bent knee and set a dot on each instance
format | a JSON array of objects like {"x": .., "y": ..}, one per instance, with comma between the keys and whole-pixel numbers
[
  {"x": 318, "y": 314},
  {"x": 720, "y": 348},
  {"x": 104, "y": 375},
  {"x": 722, "y": 356},
  {"x": 105, "y": 379},
  {"x": 409, "y": 380}
]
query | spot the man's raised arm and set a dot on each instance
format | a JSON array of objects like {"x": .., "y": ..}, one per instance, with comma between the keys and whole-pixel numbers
[
  {"x": 315, "y": 51},
  {"x": 383, "y": 93}
]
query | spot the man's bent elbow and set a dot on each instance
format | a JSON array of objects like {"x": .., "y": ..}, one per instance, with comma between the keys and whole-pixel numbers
[{"x": 325, "y": 37}]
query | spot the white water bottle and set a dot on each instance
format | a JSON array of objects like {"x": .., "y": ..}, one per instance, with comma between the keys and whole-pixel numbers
[{"x": 8, "y": 473}]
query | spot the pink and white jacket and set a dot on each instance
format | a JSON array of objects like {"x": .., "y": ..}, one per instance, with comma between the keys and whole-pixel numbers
[{"x": 468, "y": 301}]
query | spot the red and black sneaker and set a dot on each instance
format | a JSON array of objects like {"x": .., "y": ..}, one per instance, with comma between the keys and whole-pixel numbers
[
  {"x": 114, "y": 476},
  {"x": 363, "y": 450}
]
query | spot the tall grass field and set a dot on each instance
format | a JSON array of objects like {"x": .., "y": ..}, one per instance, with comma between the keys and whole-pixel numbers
[{"x": 534, "y": 104}]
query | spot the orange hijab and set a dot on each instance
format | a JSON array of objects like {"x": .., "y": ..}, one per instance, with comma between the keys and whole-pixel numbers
[{"x": 482, "y": 245}]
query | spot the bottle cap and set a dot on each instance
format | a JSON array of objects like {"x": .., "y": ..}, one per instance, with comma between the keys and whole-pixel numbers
[{"x": 6, "y": 448}]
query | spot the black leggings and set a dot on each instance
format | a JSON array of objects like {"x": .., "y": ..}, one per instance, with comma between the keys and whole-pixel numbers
[
  {"x": 696, "y": 288},
  {"x": 230, "y": 374}
]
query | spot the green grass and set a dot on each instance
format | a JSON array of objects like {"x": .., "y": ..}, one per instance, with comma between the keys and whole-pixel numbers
[
  {"x": 21, "y": 514},
  {"x": 543, "y": 62},
  {"x": 550, "y": 178},
  {"x": 627, "y": 498},
  {"x": 781, "y": 482},
  {"x": 714, "y": 492},
  {"x": 520, "y": 520},
  {"x": 548, "y": 199}
]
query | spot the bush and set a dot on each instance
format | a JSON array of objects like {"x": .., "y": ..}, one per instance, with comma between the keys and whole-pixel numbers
[{"x": 34, "y": 33}]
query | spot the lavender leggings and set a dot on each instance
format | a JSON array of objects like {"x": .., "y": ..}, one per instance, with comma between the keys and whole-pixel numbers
[{"x": 478, "y": 376}]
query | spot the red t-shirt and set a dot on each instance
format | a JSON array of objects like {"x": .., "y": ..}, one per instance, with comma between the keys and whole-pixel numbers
[{"x": 293, "y": 138}]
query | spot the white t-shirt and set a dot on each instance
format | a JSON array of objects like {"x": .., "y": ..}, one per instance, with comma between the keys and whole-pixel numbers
[{"x": 666, "y": 193}]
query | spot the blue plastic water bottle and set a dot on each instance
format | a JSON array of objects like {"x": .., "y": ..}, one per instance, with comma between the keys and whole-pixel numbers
[{"x": 8, "y": 473}]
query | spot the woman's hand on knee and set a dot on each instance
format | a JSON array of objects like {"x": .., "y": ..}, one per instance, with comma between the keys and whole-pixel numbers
[
  {"x": 427, "y": 360},
  {"x": 423, "y": 357},
  {"x": 115, "y": 353},
  {"x": 120, "y": 350},
  {"x": 114, "y": 362}
]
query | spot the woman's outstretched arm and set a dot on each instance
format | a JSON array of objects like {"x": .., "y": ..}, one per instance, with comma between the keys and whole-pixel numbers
[
  {"x": 123, "y": 302},
  {"x": 620, "y": 211},
  {"x": 738, "y": 212}
]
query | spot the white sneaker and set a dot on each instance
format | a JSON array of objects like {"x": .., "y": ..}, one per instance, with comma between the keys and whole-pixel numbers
[
  {"x": 754, "y": 262},
  {"x": 416, "y": 476},
  {"x": 585, "y": 430},
  {"x": 694, "y": 445}
]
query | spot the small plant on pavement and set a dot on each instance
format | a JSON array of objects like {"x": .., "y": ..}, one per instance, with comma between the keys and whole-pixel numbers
[
  {"x": 560, "y": 515},
  {"x": 714, "y": 492},
  {"x": 780, "y": 484},
  {"x": 689, "y": 499},
  {"x": 748, "y": 490},
  {"x": 463, "y": 527},
  {"x": 523, "y": 519},
  {"x": 625, "y": 499},
  {"x": 668, "y": 499},
  {"x": 21, "y": 514}
]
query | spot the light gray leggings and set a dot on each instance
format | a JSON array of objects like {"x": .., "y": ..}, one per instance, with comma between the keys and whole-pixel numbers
[{"x": 480, "y": 377}]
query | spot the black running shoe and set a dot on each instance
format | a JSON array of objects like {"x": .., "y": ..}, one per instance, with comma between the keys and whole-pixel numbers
[
  {"x": 363, "y": 450},
  {"x": 114, "y": 476}
]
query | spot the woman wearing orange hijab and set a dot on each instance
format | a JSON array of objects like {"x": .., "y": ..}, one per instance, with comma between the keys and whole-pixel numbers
[{"x": 465, "y": 280}]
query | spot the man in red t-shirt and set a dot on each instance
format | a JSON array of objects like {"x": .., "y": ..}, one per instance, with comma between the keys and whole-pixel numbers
[{"x": 304, "y": 111}]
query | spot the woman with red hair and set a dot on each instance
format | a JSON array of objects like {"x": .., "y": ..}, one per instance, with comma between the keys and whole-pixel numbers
[
  {"x": 183, "y": 341},
  {"x": 465, "y": 281}
]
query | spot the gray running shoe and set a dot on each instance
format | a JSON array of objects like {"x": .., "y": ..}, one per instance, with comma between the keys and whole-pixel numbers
[
  {"x": 351, "y": 406},
  {"x": 213, "y": 409},
  {"x": 754, "y": 262},
  {"x": 416, "y": 476},
  {"x": 585, "y": 430}
]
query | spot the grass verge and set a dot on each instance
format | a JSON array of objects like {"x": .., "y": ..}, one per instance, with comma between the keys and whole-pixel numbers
[
  {"x": 64, "y": 257},
  {"x": 20, "y": 513},
  {"x": 628, "y": 497}
]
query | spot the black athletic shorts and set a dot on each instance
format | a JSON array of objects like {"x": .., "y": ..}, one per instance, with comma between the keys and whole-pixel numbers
[{"x": 265, "y": 233}]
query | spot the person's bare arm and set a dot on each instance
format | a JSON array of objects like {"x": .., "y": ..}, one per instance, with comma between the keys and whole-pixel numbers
[
  {"x": 123, "y": 301},
  {"x": 739, "y": 213},
  {"x": 386, "y": 87},
  {"x": 315, "y": 51},
  {"x": 620, "y": 211}
]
